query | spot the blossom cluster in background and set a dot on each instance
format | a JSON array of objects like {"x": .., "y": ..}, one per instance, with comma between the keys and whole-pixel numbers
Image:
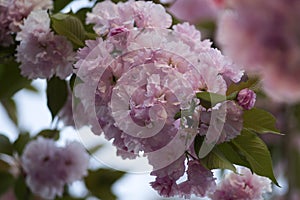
[
  {"x": 266, "y": 43},
  {"x": 48, "y": 168}
]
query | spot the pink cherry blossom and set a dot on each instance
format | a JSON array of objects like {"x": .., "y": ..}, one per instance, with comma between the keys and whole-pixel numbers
[
  {"x": 41, "y": 53},
  {"x": 189, "y": 34},
  {"x": 12, "y": 14},
  {"x": 147, "y": 83},
  {"x": 20, "y": 9},
  {"x": 150, "y": 15},
  {"x": 244, "y": 186},
  {"x": 200, "y": 181},
  {"x": 135, "y": 81},
  {"x": 213, "y": 126},
  {"x": 246, "y": 98},
  {"x": 165, "y": 186},
  {"x": 107, "y": 15},
  {"x": 165, "y": 182}
]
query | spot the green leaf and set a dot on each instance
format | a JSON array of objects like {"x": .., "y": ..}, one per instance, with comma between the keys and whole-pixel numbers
[
  {"x": 7, "y": 53},
  {"x": 5, "y": 146},
  {"x": 256, "y": 153},
  {"x": 31, "y": 88},
  {"x": 260, "y": 121},
  {"x": 57, "y": 93},
  {"x": 232, "y": 154},
  {"x": 60, "y": 4},
  {"x": 197, "y": 144},
  {"x": 99, "y": 183},
  {"x": 21, "y": 142},
  {"x": 177, "y": 115},
  {"x": 72, "y": 81},
  {"x": 11, "y": 109},
  {"x": 11, "y": 80},
  {"x": 208, "y": 100},
  {"x": 251, "y": 83},
  {"x": 81, "y": 14},
  {"x": 21, "y": 190},
  {"x": 94, "y": 149},
  {"x": 7, "y": 181},
  {"x": 69, "y": 26},
  {"x": 296, "y": 112},
  {"x": 48, "y": 133},
  {"x": 216, "y": 160},
  {"x": 207, "y": 25},
  {"x": 293, "y": 158}
]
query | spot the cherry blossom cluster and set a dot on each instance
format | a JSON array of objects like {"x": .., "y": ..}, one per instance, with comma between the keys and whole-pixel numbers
[
  {"x": 48, "y": 167},
  {"x": 109, "y": 17},
  {"x": 144, "y": 73},
  {"x": 266, "y": 43},
  {"x": 42, "y": 53},
  {"x": 12, "y": 14}
]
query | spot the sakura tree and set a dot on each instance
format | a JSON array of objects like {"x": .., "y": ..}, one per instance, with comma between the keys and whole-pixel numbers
[{"x": 173, "y": 82}]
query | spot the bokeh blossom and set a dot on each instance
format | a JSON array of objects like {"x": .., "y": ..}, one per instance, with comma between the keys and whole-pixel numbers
[
  {"x": 266, "y": 43},
  {"x": 5, "y": 34},
  {"x": 195, "y": 11},
  {"x": 48, "y": 167},
  {"x": 243, "y": 186},
  {"x": 42, "y": 53}
]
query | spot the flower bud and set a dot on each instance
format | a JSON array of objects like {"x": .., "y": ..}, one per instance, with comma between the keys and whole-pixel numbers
[{"x": 246, "y": 98}]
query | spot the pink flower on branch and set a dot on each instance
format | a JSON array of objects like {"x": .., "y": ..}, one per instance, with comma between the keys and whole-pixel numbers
[
  {"x": 41, "y": 53},
  {"x": 246, "y": 98}
]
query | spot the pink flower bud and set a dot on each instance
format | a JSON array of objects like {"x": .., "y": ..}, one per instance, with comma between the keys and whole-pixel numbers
[
  {"x": 118, "y": 30},
  {"x": 246, "y": 98}
]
